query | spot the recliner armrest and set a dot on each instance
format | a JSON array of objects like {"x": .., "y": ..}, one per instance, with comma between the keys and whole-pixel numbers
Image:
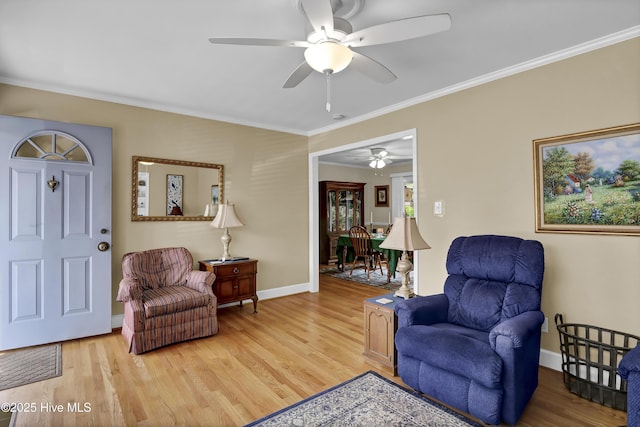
[
  {"x": 425, "y": 310},
  {"x": 519, "y": 328},
  {"x": 129, "y": 289},
  {"x": 630, "y": 363}
]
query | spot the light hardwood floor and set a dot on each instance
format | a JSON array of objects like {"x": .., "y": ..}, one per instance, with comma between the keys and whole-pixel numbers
[{"x": 295, "y": 347}]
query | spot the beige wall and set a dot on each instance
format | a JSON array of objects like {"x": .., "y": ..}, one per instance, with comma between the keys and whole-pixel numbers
[
  {"x": 475, "y": 153},
  {"x": 266, "y": 178}
]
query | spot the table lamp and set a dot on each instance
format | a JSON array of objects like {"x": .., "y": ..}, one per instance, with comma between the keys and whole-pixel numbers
[
  {"x": 404, "y": 236},
  {"x": 226, "y": 218}
]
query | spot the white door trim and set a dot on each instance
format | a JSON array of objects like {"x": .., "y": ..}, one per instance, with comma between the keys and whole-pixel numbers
[{"x": 314, "y": 233}]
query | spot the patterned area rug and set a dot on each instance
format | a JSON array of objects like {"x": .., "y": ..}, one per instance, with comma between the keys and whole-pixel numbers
[
  {"x": 367, "y": 400},
  {"x": 20, "y": 367},
  {"x": 359, "y": 275}
]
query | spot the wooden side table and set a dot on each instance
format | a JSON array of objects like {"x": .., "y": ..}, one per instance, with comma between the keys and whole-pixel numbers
[
  {"x": 380, "y": 325},
  {"x": 235, "y": 280}
]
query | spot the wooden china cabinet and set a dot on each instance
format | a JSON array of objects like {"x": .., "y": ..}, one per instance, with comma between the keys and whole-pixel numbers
[{"x": 341, "y": 207}]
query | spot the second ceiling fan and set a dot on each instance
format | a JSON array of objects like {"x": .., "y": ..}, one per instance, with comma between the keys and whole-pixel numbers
[{"x": 329, "y": 46}]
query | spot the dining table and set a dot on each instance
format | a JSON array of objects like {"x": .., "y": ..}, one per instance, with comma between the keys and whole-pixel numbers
[{"x": 345, "y": 253}]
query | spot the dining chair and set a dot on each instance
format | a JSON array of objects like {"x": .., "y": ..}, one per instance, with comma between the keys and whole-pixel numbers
[
  {"x": 382, "y": 260},
  {"x": 363, "y": 250}
]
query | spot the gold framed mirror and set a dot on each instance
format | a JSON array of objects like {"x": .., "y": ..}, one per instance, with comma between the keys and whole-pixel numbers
[{"x": 175, "y": 190}]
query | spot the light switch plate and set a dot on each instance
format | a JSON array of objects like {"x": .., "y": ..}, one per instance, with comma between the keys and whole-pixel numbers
[{"x": 438, "y": 208}]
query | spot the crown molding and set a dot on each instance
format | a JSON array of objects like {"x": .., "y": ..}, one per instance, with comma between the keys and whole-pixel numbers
[
  {"x": 599, "y": 43},
  {"x": 132, "y": 102},
  {"x": 589, "y": 46}
]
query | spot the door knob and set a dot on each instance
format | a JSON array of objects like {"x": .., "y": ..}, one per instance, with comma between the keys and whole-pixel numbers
[{"x": 103, "y": 246}]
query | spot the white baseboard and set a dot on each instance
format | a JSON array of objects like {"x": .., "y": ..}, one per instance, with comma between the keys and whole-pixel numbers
[
  {"x": 284, "y": 291},
  {"x": 116, "y": 320},
  {"x": 548, "y": 359},
  {"x": 551, "y": 360}
]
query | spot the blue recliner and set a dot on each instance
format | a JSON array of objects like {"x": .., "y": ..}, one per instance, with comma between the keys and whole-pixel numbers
[
  {"x": 476, "y": 347},
  {"x": 629, "y": 369}
]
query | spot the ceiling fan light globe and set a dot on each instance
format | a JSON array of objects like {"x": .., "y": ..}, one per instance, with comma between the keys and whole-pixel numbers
[
  {"x": 328, "y": 56},
  {"x": 377, "y": 164}
]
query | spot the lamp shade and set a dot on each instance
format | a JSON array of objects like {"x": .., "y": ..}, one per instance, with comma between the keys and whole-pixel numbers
[
  {"x": 404, "y": 236},
  {"x": 226, "y": 217},
  {"x": 328, "y": 56}
]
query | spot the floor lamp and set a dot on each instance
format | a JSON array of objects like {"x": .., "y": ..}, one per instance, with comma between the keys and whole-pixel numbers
[{"x": 404, "y": 236}]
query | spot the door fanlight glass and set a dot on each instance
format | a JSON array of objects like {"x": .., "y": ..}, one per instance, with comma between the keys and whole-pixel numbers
[{"x": 52, "y": 145}]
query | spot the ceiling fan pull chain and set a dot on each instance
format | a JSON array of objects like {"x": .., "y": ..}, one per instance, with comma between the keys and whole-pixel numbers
[{"x": 328, "y": 73}]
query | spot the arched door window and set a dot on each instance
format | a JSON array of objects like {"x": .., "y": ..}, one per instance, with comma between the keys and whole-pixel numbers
[{"x": 52, "y": 145}]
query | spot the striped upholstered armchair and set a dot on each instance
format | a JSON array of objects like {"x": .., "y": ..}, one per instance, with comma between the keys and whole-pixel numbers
[{"x": 165, "y": 300}]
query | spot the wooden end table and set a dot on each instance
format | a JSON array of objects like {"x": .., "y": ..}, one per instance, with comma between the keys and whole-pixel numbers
[
  {"x": 235, "y": 280},
  {"x": 380, "y": 326}
]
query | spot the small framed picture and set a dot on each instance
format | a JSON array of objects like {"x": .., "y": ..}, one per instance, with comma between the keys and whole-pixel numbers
[
  {"x": 174, "y": 195},
  {"x": 382, "y": 196}
]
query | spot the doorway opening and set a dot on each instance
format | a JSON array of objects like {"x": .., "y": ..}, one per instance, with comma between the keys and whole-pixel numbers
[{"x": 346, "y": 156}]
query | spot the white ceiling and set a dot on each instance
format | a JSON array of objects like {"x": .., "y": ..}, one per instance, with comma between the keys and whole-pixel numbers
[
  {"x": 155, "y": 53},
  {"x": 400, "y": 152}
]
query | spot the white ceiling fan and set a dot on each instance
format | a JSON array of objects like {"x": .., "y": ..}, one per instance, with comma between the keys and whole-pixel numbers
[
  {"x": 379, "y": 158},
  {"x": 329, "y": 46}
]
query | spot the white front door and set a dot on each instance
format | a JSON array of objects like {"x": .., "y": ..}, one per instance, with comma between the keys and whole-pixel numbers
[{"x": 55, "y": 231}]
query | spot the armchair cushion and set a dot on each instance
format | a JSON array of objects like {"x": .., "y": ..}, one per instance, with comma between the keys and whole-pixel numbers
[
  {"x": 158, "y": 267},
  {"x": 461, "y": 354},
  {"x": 463, "y": 291},
  {"x": 171, "y": 299},
  {"x": 498, "y": 258},
  {"x": 492, "y": 269}
]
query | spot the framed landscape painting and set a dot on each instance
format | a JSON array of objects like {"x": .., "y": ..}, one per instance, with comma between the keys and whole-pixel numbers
[{"x": 589, "y": 182}]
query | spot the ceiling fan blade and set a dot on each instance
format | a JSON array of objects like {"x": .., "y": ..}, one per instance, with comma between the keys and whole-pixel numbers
[
  {"x": 319, "y": 13},
  {"x": 402, "y": 29},
  {"x": 299, "y": 74},
  {"x": 371, "y": 68},
  {"x": 245, "y": 41}
]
